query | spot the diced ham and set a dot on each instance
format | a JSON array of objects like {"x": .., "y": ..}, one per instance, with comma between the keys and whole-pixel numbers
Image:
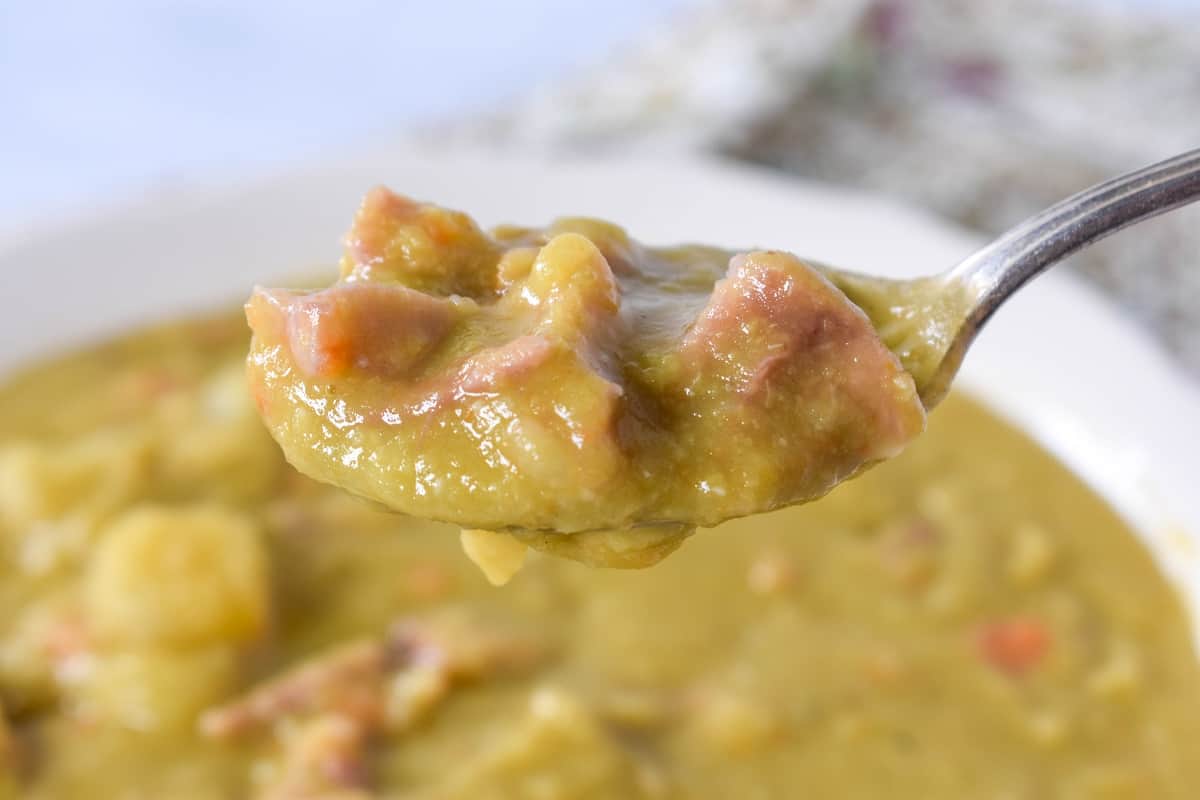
[
  {"x": 340, "y": 700},
  {"x": 465, "y": 646},
  {"x": 345, "y": 680},
  {"x": 779, "y": 312},
  {"x": 378, "y": 329},
  {"x": 422, "y": 246},
  {"x": 381, "y": 213},
  {"x": 349, "y": 680},
  {"x": 508, "y": 363},
  {"x": 774, "y": 323}
]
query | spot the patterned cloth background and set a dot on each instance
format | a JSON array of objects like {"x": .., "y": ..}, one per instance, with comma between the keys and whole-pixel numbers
[{"x": 981, "y": 111}]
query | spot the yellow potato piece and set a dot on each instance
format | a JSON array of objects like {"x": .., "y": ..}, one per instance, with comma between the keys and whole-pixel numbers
[
  {"x": 498, "y": 555},
  {"x": 154, "y": 690},
  {"x": 178, "y": 577}
]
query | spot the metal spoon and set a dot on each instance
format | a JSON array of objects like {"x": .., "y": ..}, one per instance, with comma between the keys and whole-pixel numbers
[{"x": 931, "y": 322}]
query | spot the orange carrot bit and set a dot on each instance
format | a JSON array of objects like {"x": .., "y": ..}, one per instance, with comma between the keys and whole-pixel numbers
[
  {"x": 1014, "y": 645},
  {"x": 262, "y": 398}
]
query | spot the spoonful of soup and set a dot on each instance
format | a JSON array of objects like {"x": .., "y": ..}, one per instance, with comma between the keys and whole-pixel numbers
[{"x": 587, "y": 395}]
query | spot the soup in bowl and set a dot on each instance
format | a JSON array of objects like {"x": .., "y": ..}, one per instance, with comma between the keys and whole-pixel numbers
[{"x": 185, "y": 615}]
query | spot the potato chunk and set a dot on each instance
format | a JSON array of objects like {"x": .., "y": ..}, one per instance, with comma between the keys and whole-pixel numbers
[
  {"x": 179, "y": 577},
  {"x": 154, "y": 690}
]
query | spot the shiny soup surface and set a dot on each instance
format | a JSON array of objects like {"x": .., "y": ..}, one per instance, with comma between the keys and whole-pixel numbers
[{"x": 182, "y": 615}]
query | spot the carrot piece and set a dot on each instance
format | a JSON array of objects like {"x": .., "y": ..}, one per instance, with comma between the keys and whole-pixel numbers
[{"x": 1014, "y": 645}]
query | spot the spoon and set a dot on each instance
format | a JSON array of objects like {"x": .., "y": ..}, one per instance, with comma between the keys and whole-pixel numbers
[{"x": 930, "y": 322}]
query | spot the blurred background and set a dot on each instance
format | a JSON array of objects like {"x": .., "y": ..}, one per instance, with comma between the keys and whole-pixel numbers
[{"x": 979, "y": 111}]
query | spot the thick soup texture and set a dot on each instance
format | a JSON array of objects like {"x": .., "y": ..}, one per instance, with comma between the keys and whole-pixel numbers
[
  {"x": 184, "y": 616},
  {"x": 568, "y": 379}
]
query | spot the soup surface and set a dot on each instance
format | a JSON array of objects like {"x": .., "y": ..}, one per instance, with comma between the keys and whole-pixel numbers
[{"x": 184, "y": 616}]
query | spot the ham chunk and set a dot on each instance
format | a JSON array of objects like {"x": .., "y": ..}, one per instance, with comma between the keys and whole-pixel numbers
[
  {"x": 349, "y": 681},
  {"x": 394, "y": 239},
  {"x": 776, "y": 330},
  {"x": 379, "y": 329},
  {"x": 336, "y": 703}
]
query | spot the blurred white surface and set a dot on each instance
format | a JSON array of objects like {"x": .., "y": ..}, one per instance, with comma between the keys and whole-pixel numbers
[
  {"x": 105, "y": 99},
  {"x": 101, "y": 100}
]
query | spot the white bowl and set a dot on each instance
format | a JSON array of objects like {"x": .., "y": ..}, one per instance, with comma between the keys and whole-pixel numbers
[{"x": 1057, "y": 360}]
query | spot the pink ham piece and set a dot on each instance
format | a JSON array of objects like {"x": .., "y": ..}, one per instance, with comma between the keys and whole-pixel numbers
[
  {"x": 381, "y": 329},
  {"x": 778, "y": 331}
]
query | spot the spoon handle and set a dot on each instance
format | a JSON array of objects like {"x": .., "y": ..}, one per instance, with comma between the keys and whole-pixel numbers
[
  {"x": 990, "y": 275},
  {"x": 1051, "y": 235}
]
